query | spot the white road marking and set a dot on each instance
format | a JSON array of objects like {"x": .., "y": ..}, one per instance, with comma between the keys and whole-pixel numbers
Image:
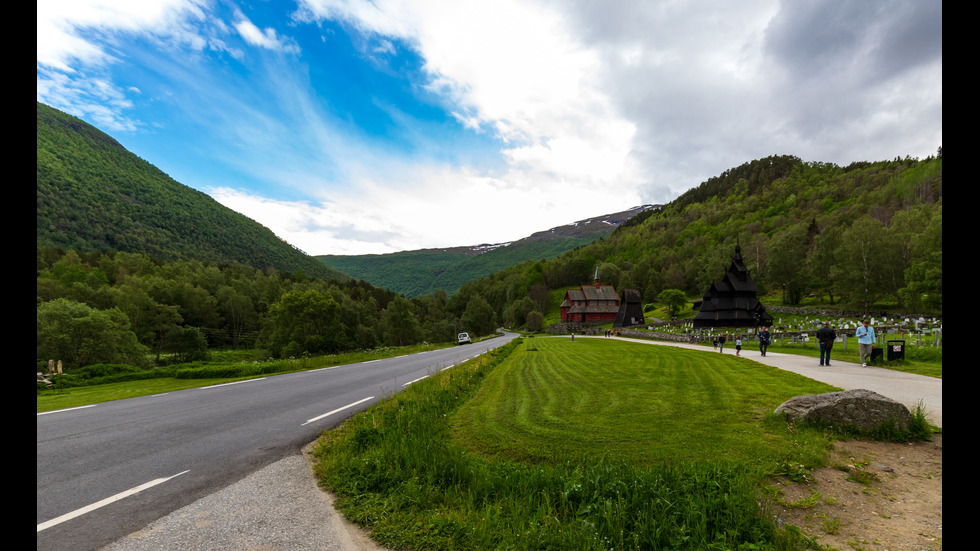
[
  {"x": 329, "y": 413},
  {"x": 235, "y": 383},
  {"x": 414, "y": 381},
  {"x": 66, "y": 409},
  {"x": 323, "y": 368},
  {"x": 89, "y": 508}
]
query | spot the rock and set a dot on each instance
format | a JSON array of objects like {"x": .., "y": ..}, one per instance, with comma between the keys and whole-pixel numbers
[{"x": 861, "y": 408}]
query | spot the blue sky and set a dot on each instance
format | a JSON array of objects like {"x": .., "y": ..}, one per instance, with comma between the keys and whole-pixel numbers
[{"x": 353, "y": 127}]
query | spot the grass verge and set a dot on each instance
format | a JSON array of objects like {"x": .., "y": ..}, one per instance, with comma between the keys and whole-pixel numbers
[{"x": 622, "y": 446}]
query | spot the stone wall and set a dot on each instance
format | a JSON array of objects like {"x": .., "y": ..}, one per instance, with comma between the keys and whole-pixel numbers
[
  {"x": 652, "y": 335},
  {"x": 578, "y": 327},
  {"x": 828, "y": 313}
]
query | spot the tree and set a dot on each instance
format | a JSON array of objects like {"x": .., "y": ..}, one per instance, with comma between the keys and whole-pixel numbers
[
  {"x": 401, "y": 325},
  {"x": 541, "y": 297},
  {"x": 479, "y": 317},
  {"x": 238, "y": 311},
  {"x": 304, "y": 322},
  {"x": 820, "y": 263},
  {"x": 187, "y": 344},
  {"x": 924, "y": 278},
  {"x": 861, "y": 261},
  {"x": 675, "y": 300},
  {"x": 786, "y": 263},
  {"x": 80, "y": 335},
  {"x": 535, "y": 321}
]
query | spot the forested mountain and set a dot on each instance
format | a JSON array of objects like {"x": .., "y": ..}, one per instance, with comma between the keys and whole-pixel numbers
[
  {"x": 422, "y": 272},
  {"x": 865, "y": 234},
  {"x": 134, "y": 268},
  {"x": 94, "y": 195}
]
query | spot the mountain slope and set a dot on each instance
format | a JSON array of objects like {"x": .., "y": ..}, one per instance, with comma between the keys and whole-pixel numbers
[
  {"x": 94, "y": 195},
  {"x": 869, "y": 233},
  {"x": 422, "y": 272}
]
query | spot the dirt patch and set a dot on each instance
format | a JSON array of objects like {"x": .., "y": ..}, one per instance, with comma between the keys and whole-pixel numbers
[{"x": 871, "y": 496}]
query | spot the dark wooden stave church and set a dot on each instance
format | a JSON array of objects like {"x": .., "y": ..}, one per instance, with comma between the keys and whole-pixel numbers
[{"x": 732, "y": 301}]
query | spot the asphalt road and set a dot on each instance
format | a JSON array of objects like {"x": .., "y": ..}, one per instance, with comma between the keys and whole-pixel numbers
[{"x": 182, "y": 446}]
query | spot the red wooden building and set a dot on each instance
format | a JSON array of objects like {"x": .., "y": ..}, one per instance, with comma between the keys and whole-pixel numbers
[{"x": 591, "y": 303}]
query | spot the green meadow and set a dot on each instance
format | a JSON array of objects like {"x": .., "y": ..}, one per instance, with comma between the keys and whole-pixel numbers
[
  {"x": 595, "y": 398},
  {"x": 591, "y": 444}
]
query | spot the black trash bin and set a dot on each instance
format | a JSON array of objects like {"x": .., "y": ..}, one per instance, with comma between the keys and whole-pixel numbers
[{"x": 896, "y": 350}]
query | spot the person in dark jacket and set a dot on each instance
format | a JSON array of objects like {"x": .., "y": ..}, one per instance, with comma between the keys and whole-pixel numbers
[
  {"x": 826, "y": 336},
  {"x": 764, "y": 339}
]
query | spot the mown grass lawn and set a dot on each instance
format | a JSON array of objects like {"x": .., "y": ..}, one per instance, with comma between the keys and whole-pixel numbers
[
  {"x": 560, "y": 400},
  {"x": 592, "y": 444}
]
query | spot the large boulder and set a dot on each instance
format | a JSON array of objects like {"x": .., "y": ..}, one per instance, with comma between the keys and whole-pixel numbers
[{"x": 861, "y": 408}]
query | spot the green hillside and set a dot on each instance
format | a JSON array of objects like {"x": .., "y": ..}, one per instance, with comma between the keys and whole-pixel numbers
[
  {"x": 868, "y": 235},
  {"x": 423, "y": 272},
  {"x": 94, "y": 195}
]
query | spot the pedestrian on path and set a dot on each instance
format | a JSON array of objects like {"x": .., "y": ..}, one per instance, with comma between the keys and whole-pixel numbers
[
  {"x": 721, "y": 342},
  {"x": 826, "y": 336},
  {"x": 764, "y": 338},
  {"x": 866, "y": 342},
  {"x": 738, "y": 345}
]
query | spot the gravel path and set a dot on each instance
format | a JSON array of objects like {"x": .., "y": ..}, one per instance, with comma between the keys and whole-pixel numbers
[{"x": 279, "y": 507}]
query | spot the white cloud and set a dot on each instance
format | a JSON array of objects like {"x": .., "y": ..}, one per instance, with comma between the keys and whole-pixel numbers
[
  {"x": 437, "y": 207},
  {"x": 513, "y": 67},
  {"x": 73, "y": 42},
  {"x": 266, "y": 38},
  {"x": 59, "y": 42},
  {"x": 596, "y": 107}
]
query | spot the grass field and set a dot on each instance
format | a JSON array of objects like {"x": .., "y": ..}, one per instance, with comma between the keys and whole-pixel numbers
[
  {"x": 592, "y": 444},
  {"x": 594, "y": 398}
]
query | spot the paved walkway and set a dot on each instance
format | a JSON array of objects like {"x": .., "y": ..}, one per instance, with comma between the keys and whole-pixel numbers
[{"x": 906, "y": 388}]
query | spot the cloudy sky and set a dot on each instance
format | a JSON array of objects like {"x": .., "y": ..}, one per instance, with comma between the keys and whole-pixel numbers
[{"x": 352, "y": 127}]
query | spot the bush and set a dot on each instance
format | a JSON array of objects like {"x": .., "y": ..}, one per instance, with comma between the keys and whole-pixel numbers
[{"x": 80, "y": 335}]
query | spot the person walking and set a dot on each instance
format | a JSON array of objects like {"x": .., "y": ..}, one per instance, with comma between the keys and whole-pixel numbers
[
  {"x": 826, "y": 336},
  {"x": 866, "y": 342},
  {"x": 764, "y": 338},
  {"x": 721, "y": 342},
  {"x": 738, "y": 345}
]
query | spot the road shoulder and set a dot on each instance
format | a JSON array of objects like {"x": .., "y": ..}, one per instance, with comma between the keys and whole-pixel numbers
[{"x": 277, "y": 507}]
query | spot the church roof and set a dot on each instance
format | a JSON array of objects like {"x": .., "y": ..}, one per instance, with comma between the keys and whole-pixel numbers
[{"x": 604, "y": 292}]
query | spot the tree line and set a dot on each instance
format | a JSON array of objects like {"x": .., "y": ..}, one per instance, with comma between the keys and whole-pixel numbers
[
  {"x": 865, "y": 234},
  {"x": 116, "y": 307}
]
